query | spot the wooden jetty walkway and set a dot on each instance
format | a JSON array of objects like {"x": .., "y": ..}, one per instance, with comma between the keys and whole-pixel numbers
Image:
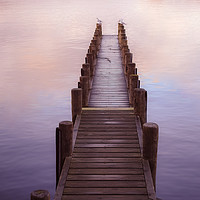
[{"x": 104, "y": 153}]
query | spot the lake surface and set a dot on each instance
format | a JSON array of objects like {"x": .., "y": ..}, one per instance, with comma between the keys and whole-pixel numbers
[{"x": 42, "y": 48}]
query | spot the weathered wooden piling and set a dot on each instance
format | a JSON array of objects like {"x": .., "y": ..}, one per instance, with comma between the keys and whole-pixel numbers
[
  {"x": 133, "y": 83},
  {"x": 76, "y": 102},
  {"x": 63, "y": 145},
  {"x": 40, "y": 195},
  {"x": 150, "y": 147},
  {"x": 140, "y": 104},
  {"x": 85, "y": 90},
  {"x": 130, "y": 70},
  {"x": 128, "y": 59},
  {"x": 90, "y": 61}
]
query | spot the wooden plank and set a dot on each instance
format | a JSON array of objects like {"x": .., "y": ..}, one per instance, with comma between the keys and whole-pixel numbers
[
  {"x": 105, "y": 155},
  {"x": 106, "y": 165},
  {"x": 107, "y": 160},
  {"x": 149, "y": 181},
  {"x": 110, "y": 134},
  {"x": 106, "y": 171},
  {"x": 62, "y": 179},
  {"x": 112, "y": 125},
  {"x": 114, "y": 129},
  {"x": 75, "y": 130},
  {"x": 104, "y": 197},
  {"x": 108, "y": 184},
  {"x": 105, "y": 177},
  {"x": 106, "y": 141},
  {"x": 107, "y": 150},
  {"x": 106, "y": 145},
  {"x": 115, "y": 191},
  {"x": 108, "y": 137}
]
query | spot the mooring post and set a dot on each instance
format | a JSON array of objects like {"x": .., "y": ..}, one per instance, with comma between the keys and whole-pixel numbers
[
  {"x": 90, "y": 61},
  {"x": 133, "y": 83},
  {"x": 130, "y": 70},
  {"x": 40, "y": 195},
  {"x": 99, "y": 26},
  {"x": 66, "y": 130},
  {"x": 120, "y": 27},
  {"x": 128, "y": 59},
  {"x": 85, "y": 90},
  {"x": 140, "y": 104},
  {"x": 125, "y": 50},
  {"x": 94, "y": 41},
  {"x": 86, "y": 72},
  {"x": 121, "y": 38},
  {"x": 76, "y": 101},
  {"x": 124, "y": 43},
  {"x": 150, "y": 147},
  {"x": 93, "y": 50}
]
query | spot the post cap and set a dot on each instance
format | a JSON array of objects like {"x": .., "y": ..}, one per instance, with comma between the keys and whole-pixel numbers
[{"x": 40, "y": 195}]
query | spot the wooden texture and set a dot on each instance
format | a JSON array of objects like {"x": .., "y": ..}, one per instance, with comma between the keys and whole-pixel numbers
[
  {"x": 76, "y": 102},
  {"x": 66, "y": 130},
  {"x": 109, "y": 86},
  {"x": 40, "y": 195},
  {"x": 150, "y": 141},
  {"x": 106, "y": 162},
  {"x": 140, "y": 104}
]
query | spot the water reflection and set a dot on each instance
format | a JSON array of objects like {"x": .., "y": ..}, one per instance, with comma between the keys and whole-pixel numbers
[{"x": 43, "y": 45}]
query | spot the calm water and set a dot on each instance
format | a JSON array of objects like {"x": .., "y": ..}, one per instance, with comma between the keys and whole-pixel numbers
[{"x": 42, "y": 47}]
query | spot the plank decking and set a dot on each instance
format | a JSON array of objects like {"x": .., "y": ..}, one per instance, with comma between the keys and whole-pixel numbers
[
  {"x": 109, "y": 86},
  {"x": 106, "y": 162}
]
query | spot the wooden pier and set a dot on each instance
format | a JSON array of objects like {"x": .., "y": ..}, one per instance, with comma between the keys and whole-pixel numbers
[{"x": 104, "y": 153}]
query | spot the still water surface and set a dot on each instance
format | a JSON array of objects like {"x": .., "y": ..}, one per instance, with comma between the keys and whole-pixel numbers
[{"x": 42, "y": 47}]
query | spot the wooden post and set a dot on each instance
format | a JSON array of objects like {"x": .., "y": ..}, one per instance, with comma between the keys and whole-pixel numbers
[
  {"x": 130, "y": 70},
  {"x": 93, "y": 50},
  {"x": 121, "y": 38},
  {"x": 40, "y": 195},
  {"x": 66, "y": 131},
  {"x": 93, "y": 41},
  {"x": 133, "y": 83},
  {"x": 150, "y": 146},
  {"x": 124, "y": 43},
  {"x": 125, "y": 50},
  {"x": 85, "y": 90},
  {"x": 128, "y": 59},
  {"x": 76, "y": 102},
  {"x": 86, "y": 72},
  {"x": 140, "y": 104},
  {"x": 120, "y": 27},
  {"x": 99, "y": 27},
  {"x": 90, "y": 61}
]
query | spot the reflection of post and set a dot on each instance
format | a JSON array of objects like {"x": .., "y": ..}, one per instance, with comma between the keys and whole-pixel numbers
[
  {"x": 40, "y": 195},
  {"x": 150, "y": 146},
  {"x": 58, "y": 154},
  {"x": 76, "y": 102}
]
